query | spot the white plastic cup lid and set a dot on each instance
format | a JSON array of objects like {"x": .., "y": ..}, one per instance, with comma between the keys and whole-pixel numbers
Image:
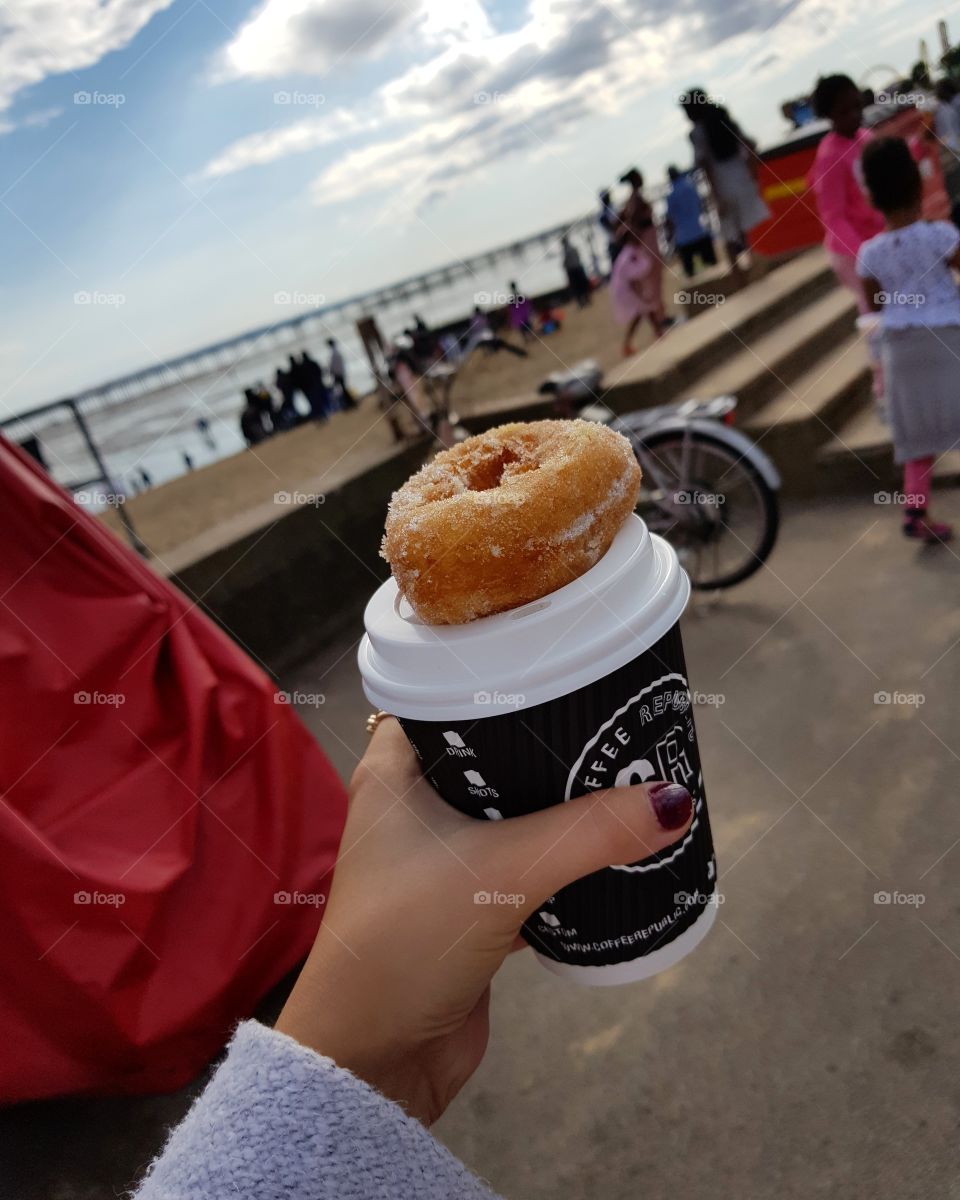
[{"x": 545, "y": 649}]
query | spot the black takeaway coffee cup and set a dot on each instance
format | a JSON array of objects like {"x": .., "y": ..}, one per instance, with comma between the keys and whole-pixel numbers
[{"x": 583, "y": 689}]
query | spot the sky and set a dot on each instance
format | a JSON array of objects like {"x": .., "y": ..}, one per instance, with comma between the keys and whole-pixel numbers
[{"x": 169, "y": 167}]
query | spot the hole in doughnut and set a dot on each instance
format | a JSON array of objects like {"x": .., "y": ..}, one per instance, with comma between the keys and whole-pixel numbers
[{"x": 502, "y": 460}]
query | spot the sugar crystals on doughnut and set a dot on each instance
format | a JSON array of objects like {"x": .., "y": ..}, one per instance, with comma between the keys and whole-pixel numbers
[{"x": 508, "y": 516}]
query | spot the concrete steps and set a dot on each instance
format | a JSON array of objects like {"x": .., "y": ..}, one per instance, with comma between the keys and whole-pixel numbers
[
  {"x": 715, "y": 284},
  {"x": 672, "y": 368},
  {"x": 810, "y": 412},
  {"x": 861, "y": 455},
  {"x": 800, "y": 380},
  {"x": 789, "y": 349},
  {"x": 764, "y": 368}
]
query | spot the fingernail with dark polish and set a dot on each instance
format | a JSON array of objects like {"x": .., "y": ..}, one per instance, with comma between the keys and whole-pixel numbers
[{"x": 672, "y": 804}]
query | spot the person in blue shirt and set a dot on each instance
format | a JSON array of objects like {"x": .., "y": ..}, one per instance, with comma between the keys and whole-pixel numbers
[{"x": 684, "y": 224}]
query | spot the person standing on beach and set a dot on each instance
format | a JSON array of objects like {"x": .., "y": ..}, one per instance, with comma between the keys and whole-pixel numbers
[
  {"x": 338, "y": 373},
  {"x": 684, "y": 224},
  {"x": 577, "y": 280},
  {"x": 301, "y": 381},
  {"x": 424, "y": 342},
  {"x": 636, "y": 283},
  {"x": 729, "y": 160},
  {"x": 252, "y": 424},
  {"x": 286, "y": 416},
  {"x": 521, "y": 313},
  {"x": 203, "y": 428},
  {"x": 264, "y": 402},
  {"x": 314, "y": 387},
  {"x": 609, "y": 223}
]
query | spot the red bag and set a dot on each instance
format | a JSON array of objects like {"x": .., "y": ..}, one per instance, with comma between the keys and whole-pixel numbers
[{"x": 167, "y": 828}]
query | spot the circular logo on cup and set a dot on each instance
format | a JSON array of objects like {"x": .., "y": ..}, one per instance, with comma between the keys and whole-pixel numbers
[{"x": 651, "y": 736}]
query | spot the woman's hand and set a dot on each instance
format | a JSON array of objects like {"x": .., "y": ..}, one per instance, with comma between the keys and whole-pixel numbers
[{"x": 397, "y": 986}]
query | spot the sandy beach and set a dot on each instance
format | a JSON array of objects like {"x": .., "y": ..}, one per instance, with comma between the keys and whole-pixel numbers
[{"x": 198, "y": 512}]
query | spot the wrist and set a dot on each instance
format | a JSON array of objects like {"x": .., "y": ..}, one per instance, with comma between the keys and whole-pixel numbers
[
  {"x": 393, "y": 1073},
  {"x": 355, "y": 1034}
]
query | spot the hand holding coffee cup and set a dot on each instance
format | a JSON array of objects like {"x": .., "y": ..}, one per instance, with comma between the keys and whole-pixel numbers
[
  {"x": 396, "y": 988},
  {"x": 529, "y": 645}
]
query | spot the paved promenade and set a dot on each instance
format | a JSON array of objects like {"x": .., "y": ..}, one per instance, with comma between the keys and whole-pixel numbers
[{"x": 808, "y": 1047}]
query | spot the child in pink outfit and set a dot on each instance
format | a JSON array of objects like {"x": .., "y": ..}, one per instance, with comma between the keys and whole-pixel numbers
[
  {"x": 636, "y": 281},
  {"x": 848, "y": 217},
  {"x": 837, "y": 179}
]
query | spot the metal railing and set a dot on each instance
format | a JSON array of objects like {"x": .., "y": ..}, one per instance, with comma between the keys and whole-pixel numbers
[{"x": 23, "y": 429}]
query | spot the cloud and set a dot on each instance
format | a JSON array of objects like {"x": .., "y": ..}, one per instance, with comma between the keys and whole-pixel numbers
[
  {"x": 309, "y": 133},
  {"x": 40, "y": 38},
  {"x": 723, "y": 19},
  {"x": 286, "y": 37},
  {"x": 423, "y": 164},
  {"x": 473, "y": 96},
  {"x": 40, "y": 118}
]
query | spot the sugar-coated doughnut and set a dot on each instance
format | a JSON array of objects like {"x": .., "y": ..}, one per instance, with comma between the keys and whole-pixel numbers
[{"x": 508, "y": 516}]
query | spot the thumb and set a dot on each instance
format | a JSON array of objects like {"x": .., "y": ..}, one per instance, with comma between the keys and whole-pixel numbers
[{"x": 544, "y": 851}]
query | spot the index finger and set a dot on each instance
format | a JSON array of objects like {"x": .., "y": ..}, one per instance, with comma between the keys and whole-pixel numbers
[{"x": 389, "y": 759}]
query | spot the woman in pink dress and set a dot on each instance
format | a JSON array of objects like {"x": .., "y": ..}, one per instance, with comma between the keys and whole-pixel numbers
[{"x": 636, "y": 282}]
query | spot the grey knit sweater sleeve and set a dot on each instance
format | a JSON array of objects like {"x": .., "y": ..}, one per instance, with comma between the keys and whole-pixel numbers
[{"x": 278, "y": 1122}]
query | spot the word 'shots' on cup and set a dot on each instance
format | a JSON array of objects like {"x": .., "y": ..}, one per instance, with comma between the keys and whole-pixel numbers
[{"x": 581, "y": 690}]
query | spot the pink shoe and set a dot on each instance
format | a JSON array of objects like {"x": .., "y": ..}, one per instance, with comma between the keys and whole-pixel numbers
[{"x": 917, "y": 526}]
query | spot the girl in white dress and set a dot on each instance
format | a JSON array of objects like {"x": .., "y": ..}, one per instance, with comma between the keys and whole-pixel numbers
[{"x": 906, "y": 274}]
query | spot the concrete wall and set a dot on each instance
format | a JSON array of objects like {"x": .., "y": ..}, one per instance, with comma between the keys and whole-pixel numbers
[{"x": 285, "y": 593}]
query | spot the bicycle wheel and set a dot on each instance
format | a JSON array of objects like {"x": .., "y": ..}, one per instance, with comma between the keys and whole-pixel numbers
[{"x": 722, "y": 518}]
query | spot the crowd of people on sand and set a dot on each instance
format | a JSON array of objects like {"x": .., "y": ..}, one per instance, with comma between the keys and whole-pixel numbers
[{"x": 324, "y": 392}]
